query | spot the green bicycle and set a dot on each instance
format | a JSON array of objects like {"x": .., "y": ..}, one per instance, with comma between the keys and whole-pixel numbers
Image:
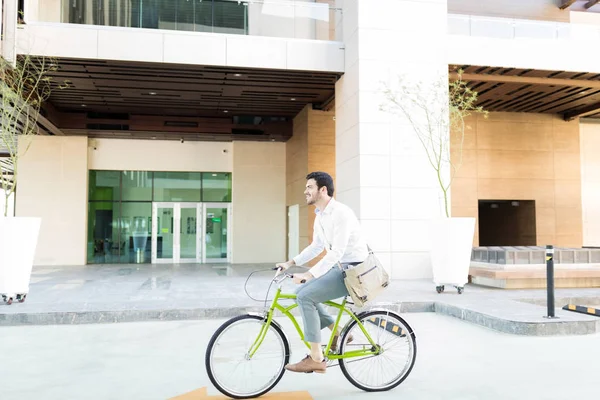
[{"x": 246, "y": 355}]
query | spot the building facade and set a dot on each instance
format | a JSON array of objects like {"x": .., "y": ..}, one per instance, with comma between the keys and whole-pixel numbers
[{"x": 188, "y": 127}]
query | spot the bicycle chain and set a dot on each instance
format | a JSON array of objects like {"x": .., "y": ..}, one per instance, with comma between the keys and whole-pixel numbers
[{"x": 349, "y": 362}]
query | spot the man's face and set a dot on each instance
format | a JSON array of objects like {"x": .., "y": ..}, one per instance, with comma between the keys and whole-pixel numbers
[{"x": 311, "y": 192}]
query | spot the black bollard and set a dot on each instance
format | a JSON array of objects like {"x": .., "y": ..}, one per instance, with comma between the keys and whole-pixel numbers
[{"x": 550, "y": 279}]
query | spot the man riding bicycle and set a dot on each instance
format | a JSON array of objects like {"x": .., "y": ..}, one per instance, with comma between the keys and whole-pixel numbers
[{"x": 337, "y": 230}]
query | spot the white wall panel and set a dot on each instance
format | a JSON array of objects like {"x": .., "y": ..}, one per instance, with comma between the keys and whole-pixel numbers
[{"x": 152, "y": 45}]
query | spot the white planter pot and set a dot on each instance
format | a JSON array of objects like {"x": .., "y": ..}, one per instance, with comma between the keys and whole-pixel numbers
[
  {"x": 18, "y": 242},
  {"x": 451, "y": 246}
]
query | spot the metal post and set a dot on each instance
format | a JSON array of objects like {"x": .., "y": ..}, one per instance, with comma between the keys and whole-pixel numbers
[{"x": 550, "y": 279}]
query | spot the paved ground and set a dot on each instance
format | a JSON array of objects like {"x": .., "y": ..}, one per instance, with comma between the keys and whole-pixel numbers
[
  {"x": 161, "y": 360},
  {"x": 121, "y": 293}
]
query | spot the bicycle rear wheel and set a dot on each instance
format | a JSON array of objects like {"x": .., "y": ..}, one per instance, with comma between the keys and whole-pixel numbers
[
  {"x": 229, "y": 365},
  {"x": 397, "y": 351}
]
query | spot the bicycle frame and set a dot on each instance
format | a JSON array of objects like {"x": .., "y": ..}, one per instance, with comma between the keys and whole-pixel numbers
[{"x": 374, "y": 350}]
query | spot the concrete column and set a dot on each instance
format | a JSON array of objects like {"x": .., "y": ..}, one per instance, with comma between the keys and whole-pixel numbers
[
  {"x": 32, "y": 9},
  {"x": 9, "y": 25},
  {"x": 53, "y": 185},
  {"x": 311, "y": 148},
  {"x": 382, "y": 170}
]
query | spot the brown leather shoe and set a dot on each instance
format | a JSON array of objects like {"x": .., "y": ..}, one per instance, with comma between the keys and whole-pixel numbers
[
  {"x": 308, "y": 365},
  {"x": 335, "y": 340}
]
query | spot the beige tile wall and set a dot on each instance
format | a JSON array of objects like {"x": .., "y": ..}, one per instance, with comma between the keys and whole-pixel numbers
[
  {"x": 52, "y": 185},
  {"x": 259, "y": 213},
  {"x": 590, "y": 182},
  {"x": 321, "y": 149},
  {"x": 311, "y": 148},
  {"x": 296, "y": 170},
  {"x": 516, "y": 156}
]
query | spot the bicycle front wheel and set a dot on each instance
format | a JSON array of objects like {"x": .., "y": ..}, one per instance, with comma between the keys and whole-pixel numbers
[
  {"x": 237, "y": 373},
  {"x": 395, "y": 347}
]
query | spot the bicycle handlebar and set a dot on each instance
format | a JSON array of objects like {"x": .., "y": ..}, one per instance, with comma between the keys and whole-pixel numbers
[
  {"x": 285, "y": 276},
  {"x": 278, "y": 279}
]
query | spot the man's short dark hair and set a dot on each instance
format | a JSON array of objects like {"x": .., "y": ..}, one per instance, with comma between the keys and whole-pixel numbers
[{"x": 322, "y": 179}]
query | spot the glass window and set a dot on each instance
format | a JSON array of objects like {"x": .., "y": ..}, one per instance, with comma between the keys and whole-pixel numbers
[
  {"x": 216, "y": 233},
  {"x": 136, "y": 232},
  {"x": 165, "y": 231},
  {"x": 229, "y": 17},
  {"x": 103, "y": 232},
  {"x": 177, "y": 186},
  {"x": 189, "y": 232},
  {"x": 104, "y": 185},
  {"x": 167, "y": 14},
  {"x": 203, "y": 16},
  {"x": 134, "y": 15},
  {"x": 216, "y": 187},
  {"x": 221, "y": 16},
  {"x": 150, "y": 14},
  {"x": 120, "y": 213},
  {"x": 137, "y": 186},
  {"x": 185, "y": 15}
]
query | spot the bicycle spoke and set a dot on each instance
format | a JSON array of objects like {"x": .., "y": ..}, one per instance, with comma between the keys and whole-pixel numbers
[
  {"x": 387, "y": 369},
  {"x": 229, "y": 365}
]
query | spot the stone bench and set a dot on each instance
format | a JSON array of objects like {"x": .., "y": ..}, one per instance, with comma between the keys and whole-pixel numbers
[{"x": 524, "y": 267}]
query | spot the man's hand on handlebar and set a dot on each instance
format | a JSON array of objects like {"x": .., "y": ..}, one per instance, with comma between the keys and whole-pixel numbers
[
  {"x": 281, "y": 267},
  {"x": 298, "y": 278},
  {"x": 302, "y": 278}
]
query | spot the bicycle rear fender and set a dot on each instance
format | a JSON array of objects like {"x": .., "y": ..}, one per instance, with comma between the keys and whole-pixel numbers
[
  {"x": 351, "y": 320},
  {"x": 385, "y": 310}
]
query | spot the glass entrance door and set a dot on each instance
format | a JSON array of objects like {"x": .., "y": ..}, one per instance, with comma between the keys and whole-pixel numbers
[
  {"x": 163, "y": 237},
  {"x": 191, "y": 233},
  {"x": 176, "y": 233},
  {"x": 217, "y": 228}
]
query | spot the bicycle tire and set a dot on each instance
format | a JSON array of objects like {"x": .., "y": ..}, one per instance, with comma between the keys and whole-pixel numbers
[
  {"x": 215, "y": 337},
  {"x": 362, "y": 316}
]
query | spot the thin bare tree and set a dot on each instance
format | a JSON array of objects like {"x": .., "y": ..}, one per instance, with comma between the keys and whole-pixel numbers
[
  {"x": 24, "y": 87},
  {"x": 437, "y": 112}
]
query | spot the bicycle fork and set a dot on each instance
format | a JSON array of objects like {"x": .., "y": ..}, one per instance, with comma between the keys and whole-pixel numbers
[{"x": 261, "y": 336}]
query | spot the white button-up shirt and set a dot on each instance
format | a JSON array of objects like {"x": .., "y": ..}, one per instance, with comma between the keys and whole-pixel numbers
[{"x": 343, "y": 239}]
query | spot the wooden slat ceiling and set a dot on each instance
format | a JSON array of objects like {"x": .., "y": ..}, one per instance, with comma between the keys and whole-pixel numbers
[
  {"x": 184, "y": 90},
  {"x": 6, "y": 166},
  {"x": 151, "y": 94},
  {"x": 569, "y": 94},
  {"x": 585, "y": 4}
]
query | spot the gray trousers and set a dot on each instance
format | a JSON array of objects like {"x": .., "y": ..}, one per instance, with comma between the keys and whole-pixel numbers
[{"x": 309, "y": 296}]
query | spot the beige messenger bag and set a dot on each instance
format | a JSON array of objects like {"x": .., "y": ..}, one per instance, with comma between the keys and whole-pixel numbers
[{"x": 366, "y": 280}]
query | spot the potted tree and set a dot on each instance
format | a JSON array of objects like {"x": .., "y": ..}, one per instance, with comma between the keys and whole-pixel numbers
[
  {"x": 437, "y": 115},
  {"x": 24, "y": 86}
]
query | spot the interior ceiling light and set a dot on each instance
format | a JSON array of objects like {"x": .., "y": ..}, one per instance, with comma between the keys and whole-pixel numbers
[
  {"x": 293, "y": 99},
  {"x": 152, "y": 93},
  {"x": 238, "y": 75},
  {"x": 225, "y": 111}
]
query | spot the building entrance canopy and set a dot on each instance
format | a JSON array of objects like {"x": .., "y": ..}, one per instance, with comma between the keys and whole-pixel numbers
[
  {"x": 121, "y": 99},
  {"x": 569, "y": 94}
]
